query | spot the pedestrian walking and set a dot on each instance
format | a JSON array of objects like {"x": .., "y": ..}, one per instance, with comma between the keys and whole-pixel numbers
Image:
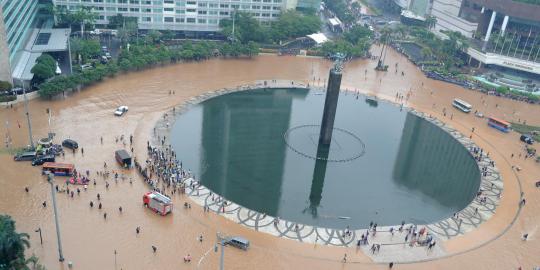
[{"x": 154, "y": 249}]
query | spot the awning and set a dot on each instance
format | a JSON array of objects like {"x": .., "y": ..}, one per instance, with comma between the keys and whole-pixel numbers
[
  {"x": 22, "y": 70},
  {"x": 319, "y": 38}
]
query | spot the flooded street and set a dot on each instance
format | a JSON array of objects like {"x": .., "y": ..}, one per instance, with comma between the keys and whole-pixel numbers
[{"x": 89, "y": 241}]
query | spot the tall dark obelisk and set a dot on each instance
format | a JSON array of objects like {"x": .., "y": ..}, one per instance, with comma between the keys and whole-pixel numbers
[{"x": 330, "y": 103}]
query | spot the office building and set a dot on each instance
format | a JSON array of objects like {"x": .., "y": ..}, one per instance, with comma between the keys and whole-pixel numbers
[
  {"x": 17, "y": 19},
  {"x": 181, "y": 15}
]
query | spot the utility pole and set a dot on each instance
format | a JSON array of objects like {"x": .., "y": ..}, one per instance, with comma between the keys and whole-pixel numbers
[
  {"x": 53, "y": 194},
  {"x": 28, "y": 116}
]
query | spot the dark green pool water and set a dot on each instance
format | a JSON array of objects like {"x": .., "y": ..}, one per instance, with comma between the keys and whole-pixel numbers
[{"x": 392, "y": 166}]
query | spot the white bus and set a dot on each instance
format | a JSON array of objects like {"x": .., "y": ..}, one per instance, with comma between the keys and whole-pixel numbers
[{"x": 462, "y": 105}]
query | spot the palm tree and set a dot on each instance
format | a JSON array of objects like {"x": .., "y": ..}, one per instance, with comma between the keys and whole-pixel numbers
[{"x": 12, "y": 244}]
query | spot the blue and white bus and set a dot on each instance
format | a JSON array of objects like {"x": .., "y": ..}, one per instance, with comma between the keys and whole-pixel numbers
[{"x": 462, "y": 105}]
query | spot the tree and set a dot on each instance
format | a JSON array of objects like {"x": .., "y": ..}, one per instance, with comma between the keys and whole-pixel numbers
[
  {"x": 128, "y": 30},
  {"x": 356, "y": 33},
  {"x": 246, "y": 28},
  {"x": 5, "y": 86},
  {"x": 154, "y": 36},
  {"x": 44, "y": 68},
  {"x": 293, "y": 24},
  {"x": 87, "y": 49},
  {"x": 12, "y": 245},
  {"x": 83, "y": 16},
  {"x": 426, "y": 53}
]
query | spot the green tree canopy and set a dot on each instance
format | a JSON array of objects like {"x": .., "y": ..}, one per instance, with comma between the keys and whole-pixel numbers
[
  {"x": 86, "y": 48},
  {"x": 44, "y": 68},
  {"x": 5, "y": 86},
  {"x": 12, "y": 245}
]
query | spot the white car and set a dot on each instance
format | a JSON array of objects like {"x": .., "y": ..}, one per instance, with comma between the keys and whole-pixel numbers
[{"x": 121, "y": 110}]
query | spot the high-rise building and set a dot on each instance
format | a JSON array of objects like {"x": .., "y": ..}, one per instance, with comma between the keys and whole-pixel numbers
[
  {"x": 505, "y": 33},
  {"x": 180, "y": 15},
  {"x": 17, "y": 19}
]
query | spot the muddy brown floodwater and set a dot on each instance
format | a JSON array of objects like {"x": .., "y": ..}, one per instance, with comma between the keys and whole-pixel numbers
[{"x": 89, "y": 241}]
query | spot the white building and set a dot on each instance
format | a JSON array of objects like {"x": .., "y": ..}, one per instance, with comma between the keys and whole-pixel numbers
[{"x": 180, "y": 15}]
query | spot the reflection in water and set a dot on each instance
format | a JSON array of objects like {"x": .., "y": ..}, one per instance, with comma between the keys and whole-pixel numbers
[
  {"x": 241, "y": 142},
  {"x": 319, "y": 173},
  {"x": 427, "y": 153},
  {"x": 411, "y": 170}
]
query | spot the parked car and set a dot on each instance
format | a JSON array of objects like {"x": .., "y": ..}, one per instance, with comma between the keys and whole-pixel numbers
[
  {"x": 42, "y": 159},
  {"x": 121, "y": 110},
  {"x": 86, "y": 66},
  {"x": 71, "y": 144},
  {"x": 17, "y": 91},
  {"x": 108, "y": 55},
  {"x": 25, "y": 156},
  {"x": 527, "y": 139},
  {"x": 104, "y": 49},
  {"x": 238, "y": 242}
]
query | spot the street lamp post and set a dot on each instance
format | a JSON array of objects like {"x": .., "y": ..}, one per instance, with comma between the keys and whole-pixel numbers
[
  {"x": 221, "y": 240},
  {"x": 115, "y": 267},
  {"x": 28, "y": 117},
  {"x": 53, "y": 194}
]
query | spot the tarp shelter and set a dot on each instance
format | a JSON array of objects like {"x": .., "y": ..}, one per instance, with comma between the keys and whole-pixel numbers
[
  {"x": 123, "y": 157},
  {"x": 319, "y": 38}
]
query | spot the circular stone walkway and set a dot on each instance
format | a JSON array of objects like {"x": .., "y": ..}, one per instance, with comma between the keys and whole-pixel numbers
[{"x": 396, "y": 249}]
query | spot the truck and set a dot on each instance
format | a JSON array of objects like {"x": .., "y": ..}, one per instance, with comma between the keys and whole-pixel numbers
[{"x": 158, "y": 202}]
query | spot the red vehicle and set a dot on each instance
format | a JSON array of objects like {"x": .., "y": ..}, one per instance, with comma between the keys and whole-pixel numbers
[
  {"x": 58, "y": 169},
  {"x": 158, "y": 202}
]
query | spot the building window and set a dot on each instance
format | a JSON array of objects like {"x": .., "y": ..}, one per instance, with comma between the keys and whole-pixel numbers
[
  {"x": 111, "y": 1},
  {"x": 212, "y": 12},
  {"x": 146, "y": 19},
  {"x": 202, "y": 12},
  {"x": 191, "y": 2},
  {"x": 179, "y": 20},
  {"x": 98, "y": 1},
  {"x": 168, "y": 2},
  {"x": 147, "y": 10},
  {"x": 168, "y": 9},
  {"x": 201, "y": 20},
  {"x": 276, "y": 8},
  {"x": 168, "y": 19},
  {"x": 213, "y": 21},
  {"x": 224, "y": 6},
  {"x": 190, "y": 20},
  {"x": 180, "y": 11},
  {"x": 191, "y": 10},
  {"x": 134, "y": 10},
  {"x": 202, "y": 4},
  {"x": 122, "y": 9},
  {"x": 225, "y": 13},
  {"x": 146, "y": 2},
  {"x": 110, "y": 9},
  {"x": 134, "y": 1},
  {"x": 122, "y": 1},
  {"x": 266, "y": 7},
  {"x": 255, "y": 7}
]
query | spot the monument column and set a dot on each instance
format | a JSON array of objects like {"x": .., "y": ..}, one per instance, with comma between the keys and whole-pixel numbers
[{"x": 330, "y": 104}]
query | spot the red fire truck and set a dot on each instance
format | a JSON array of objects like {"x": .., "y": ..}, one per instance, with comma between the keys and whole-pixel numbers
[{"x": 158, "y": 202}]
